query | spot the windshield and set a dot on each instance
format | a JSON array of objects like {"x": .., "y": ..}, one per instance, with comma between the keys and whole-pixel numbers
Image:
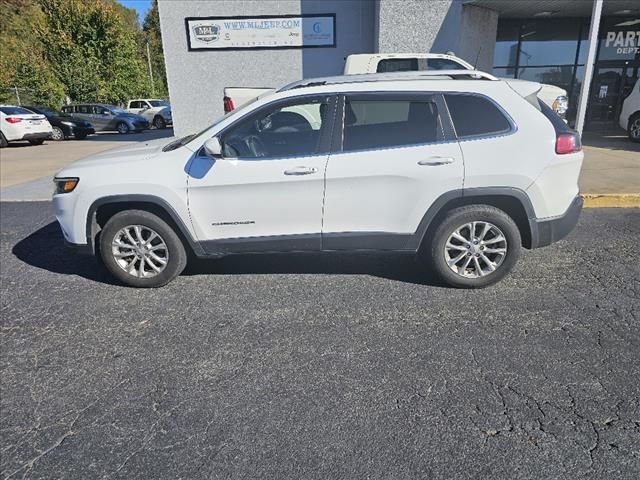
[
  {"x": 159, "y": 103},
  {"x": 189, "y": 138}
]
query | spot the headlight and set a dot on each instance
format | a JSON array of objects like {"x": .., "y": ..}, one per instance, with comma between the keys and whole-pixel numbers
[
  {"x": 69, "y": 124},
  {"x": 560, "y": 105},
  {"x": 65, "y": 185}
]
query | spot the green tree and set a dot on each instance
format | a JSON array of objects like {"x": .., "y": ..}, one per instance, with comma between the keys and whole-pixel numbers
[
  {"x": 151, "y": 29},
  {"x": 22, "y": 63},
  {"x": 92, "y": 49}
]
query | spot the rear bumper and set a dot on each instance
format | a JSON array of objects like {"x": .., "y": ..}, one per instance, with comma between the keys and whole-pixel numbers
[
  {"x": 546, "y": 232},
  {"x": 36, "y": 136}
]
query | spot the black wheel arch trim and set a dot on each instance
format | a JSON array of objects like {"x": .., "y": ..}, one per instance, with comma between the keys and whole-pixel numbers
[
  {"x": 92, "y": 226},
  {"x": 441, "y": 202}
]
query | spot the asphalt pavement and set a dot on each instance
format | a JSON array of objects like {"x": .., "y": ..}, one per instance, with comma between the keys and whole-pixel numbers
[{"x": 320, "y": 366}]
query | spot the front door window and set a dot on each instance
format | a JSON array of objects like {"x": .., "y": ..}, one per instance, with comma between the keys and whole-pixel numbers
[{"x": 289, "y": 130}]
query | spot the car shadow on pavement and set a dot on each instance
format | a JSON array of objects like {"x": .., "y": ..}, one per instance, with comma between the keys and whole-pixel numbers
[
  {"x": 402, "y": 268},
  {"x": 45, "y": 249}
]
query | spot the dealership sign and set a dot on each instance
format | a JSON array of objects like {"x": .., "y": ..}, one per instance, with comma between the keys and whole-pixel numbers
[
  {"x": 261, "y": 32},
  {"x": 623, "y": 42}
]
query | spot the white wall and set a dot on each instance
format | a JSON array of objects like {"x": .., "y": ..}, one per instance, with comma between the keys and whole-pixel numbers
[{"x": 197, "y": 79}]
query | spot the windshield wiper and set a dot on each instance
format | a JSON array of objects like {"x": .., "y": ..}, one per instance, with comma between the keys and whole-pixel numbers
[{"x": 177, "y": 143}]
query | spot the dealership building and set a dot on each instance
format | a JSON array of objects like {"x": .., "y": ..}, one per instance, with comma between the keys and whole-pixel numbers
[{"x": 210, "y": 45}]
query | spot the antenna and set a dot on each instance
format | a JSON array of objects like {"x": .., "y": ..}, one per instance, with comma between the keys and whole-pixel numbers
[{"x": 475, "y": 65}]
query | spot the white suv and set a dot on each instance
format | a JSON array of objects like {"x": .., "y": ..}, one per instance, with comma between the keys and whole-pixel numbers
[
  {"x": 460, "y": 167},
  {"x": 630, "y": 114}
]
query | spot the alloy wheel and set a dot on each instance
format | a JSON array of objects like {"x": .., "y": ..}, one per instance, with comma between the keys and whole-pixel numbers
[
  {"x": 635, "y": 129},
  {"x": 57, "y": 134},
  {"x": 140, "y": 251},
  {"x": 475, "y": 249}
]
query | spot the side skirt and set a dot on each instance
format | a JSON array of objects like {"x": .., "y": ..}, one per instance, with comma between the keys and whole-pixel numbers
[{"x": 334, "y": 242}]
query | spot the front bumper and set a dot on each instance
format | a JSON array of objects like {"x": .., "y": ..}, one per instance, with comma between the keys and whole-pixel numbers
[
  {"x": 83, "y": 131},
  {"x": 545, "y": 232},
  {"x": 80, "y": 249}
]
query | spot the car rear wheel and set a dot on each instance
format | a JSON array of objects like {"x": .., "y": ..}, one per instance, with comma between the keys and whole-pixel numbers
[
  {"x": 141, "y": 250},
  {"x": 122, "y": 128},
  {"x": 475, "y": 246},
  {"x": 57, "y": 134},
  {"x": 634, "y": 128},
  {"x": 40, "y": 141},
  {"x": 3, "y": 141},
  {"x": 159, "y": 122}
]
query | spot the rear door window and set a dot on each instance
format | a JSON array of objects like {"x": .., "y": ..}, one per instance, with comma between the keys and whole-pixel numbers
[
  {"x": 389, "y": 121},
  {"x": 474, "y": 115}
]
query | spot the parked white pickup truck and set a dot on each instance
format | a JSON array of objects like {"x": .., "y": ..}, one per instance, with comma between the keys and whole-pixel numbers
[
  {"x": 155, "y": 110},
  {"x": 362, "y": 63},
  {"x": 553, "y": 96}
]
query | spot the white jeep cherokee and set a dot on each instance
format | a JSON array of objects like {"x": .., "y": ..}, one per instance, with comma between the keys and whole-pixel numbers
[{"x": 460, "y": 167}]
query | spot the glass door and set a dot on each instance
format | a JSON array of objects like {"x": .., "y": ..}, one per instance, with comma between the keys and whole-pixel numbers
[{"x": 611, "y": 84}]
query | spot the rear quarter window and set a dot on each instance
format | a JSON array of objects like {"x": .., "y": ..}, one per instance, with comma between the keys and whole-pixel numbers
[{"x": 475, "y": 116}]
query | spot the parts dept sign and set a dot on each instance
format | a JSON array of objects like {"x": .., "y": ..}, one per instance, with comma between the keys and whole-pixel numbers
[
  {"x": 261, "y": 32},
  {"x": 623, "y": 42}
]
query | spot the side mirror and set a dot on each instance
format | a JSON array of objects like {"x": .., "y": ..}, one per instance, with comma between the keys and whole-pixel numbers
[{"x": 213, "y": 148}]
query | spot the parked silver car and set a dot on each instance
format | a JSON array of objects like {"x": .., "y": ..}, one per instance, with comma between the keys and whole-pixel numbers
[{"x": 107, "y": 117}]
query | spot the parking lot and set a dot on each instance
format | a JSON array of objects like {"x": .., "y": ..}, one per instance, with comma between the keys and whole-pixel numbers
[
  {"x": 22, "y": 162},
  {"x": 317, "y": 366}
]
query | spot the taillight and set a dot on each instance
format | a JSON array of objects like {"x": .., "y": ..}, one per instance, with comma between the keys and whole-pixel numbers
[
  {"x": 228, "y": 104},
  {"x": 13, "y": 119},
  {"x": 568, "y": 143}
]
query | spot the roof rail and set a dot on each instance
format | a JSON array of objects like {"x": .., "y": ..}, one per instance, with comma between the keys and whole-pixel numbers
[{"x": 391, "y": 76}]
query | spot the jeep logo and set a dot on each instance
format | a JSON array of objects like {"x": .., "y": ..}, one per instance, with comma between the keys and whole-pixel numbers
[{"x": 206, "y": 33}]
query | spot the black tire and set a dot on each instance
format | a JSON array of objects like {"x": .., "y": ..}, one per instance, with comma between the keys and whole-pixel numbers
[
  {"x": 40, "y": 141},
  {"x": 122, "y": 128},
  {"x": 632, "y": 129},
  {"x": 80, "y": 136},
  {"x": 456, "y": 219},
  {"x": 159, "y": 122},
  {"x": 175, "y": 252},
  {"x": 57, "y": 135},
  {"x": 3, "y": 141}
]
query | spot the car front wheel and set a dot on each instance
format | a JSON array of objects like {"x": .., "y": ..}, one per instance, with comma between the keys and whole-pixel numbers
[
  {"x": 634, "y": 128},
  {"x": 475, "y": 246},
  {"x": 141, "y": 250},
  {"x": 122, "y": 128},
  {"x": 57, "y": 134},
  {"x": 159, "y": 122}
]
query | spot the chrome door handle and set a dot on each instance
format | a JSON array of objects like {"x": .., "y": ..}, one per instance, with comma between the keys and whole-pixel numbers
[
  {"x": 434, "y": 161},
  {"x": 301, "y": 171}
]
